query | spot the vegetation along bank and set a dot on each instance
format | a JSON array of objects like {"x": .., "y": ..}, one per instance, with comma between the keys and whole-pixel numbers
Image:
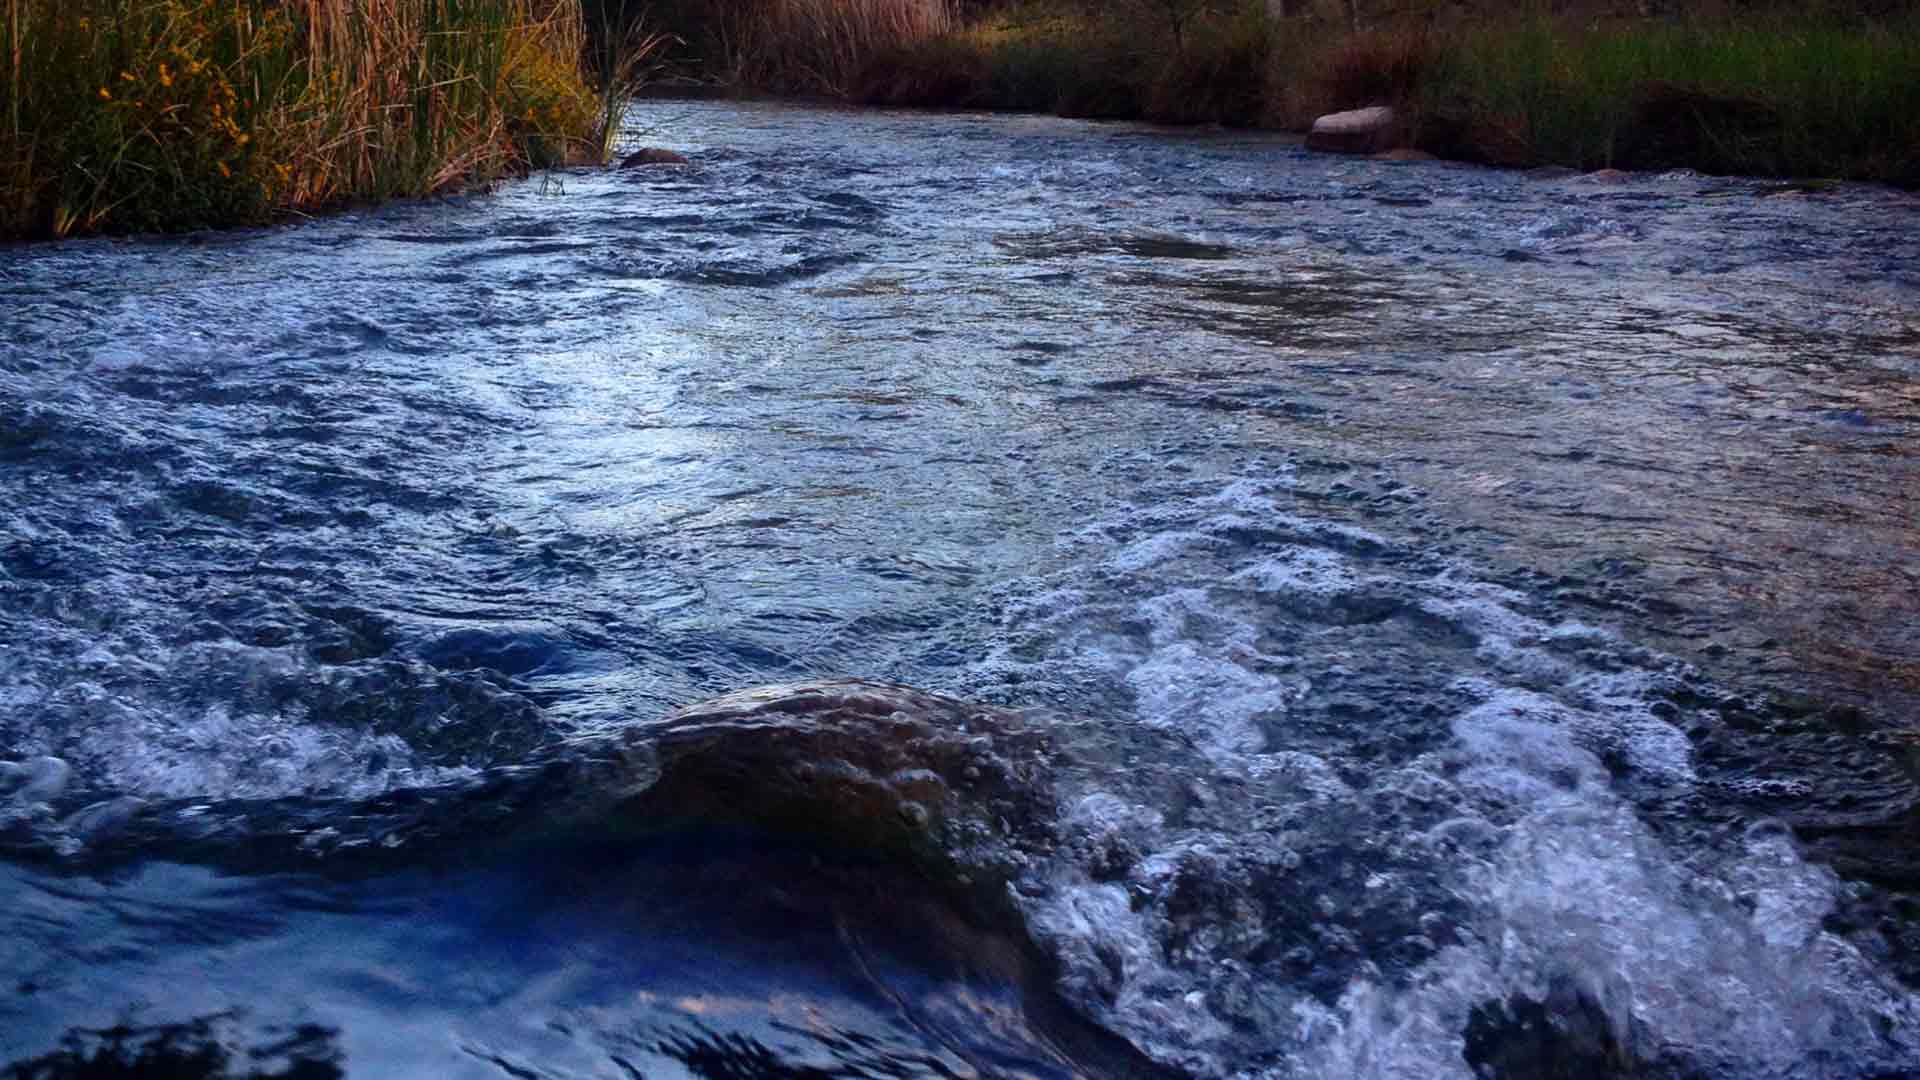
[
  {"x": 1810, "y": 89},
  {"x": 137, "y": 115}
]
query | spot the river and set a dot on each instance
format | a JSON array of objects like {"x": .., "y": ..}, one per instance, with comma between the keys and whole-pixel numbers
[{"x": 1389, "y": 620}]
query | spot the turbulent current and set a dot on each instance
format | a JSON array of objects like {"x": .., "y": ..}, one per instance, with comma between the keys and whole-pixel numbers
[{"x": 960, "y": 596}]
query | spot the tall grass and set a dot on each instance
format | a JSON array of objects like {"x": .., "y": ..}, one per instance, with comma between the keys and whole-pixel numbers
[
  {"x": 1769, "y": 94},
  {"x": 823, "y": 46},
  {"x": 624, "y": 52},
  {"x": 134, "y": 115},
  {"x": 1825, "y": 88},
  {"x": 1175, "y": 61}
]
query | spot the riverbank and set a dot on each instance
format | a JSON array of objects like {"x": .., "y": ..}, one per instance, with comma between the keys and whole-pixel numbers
[
  {"x": 121, "y": 116},
  {"x": 1822, "y": 90}
]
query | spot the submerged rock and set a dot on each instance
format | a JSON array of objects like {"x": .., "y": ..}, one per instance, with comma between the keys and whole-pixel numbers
[
  {"x": 1404, "y": 154},
  {"x": 1569, "y": 1034},
  {"x": 1359, "y": 131},
  {"x": 35, "y": 780},
  {"x": 653, "y": 155}
]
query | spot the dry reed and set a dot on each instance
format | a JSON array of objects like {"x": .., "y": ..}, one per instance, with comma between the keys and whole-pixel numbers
[
  {"x": 133, "y": 115},
  {"x": 823, "y": 46}
]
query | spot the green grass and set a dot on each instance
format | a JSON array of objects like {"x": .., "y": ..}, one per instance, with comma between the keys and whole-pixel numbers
[
  {"x": 141, "y": 115},
  {"x": 1768, "y": 95},
  {"x": 1822, "y": 89}
]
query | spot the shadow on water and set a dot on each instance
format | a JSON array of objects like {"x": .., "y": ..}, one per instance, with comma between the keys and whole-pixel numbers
[
  {"x": 716, "y": 953},
  {"x": 199, "y": 1049},
  {"x": 1073, "y": 243}
]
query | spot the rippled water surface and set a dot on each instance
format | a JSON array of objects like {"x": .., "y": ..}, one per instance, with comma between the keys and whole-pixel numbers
[{"x": 1460, "y": 622}]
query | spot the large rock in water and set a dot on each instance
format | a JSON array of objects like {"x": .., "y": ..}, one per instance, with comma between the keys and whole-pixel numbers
[
  {"x": 876, "y": 766},
  {"x": 653, "y": 155},
  {"x": 960, "y": 791},
  {"x": 1360, "y": 131}
]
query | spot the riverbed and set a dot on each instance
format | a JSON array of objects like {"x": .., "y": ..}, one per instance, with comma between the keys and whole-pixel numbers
[{"x": 1470, "y": 615}]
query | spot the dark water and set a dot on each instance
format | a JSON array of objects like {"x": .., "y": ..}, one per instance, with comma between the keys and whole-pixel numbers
[{"x": 1470, "y": 616}]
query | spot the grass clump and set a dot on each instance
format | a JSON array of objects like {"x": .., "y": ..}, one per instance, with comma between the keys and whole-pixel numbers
[{"x": 141, "y": 115}]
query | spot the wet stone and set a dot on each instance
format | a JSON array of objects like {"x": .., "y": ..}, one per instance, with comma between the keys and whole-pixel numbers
[
  {"x": 1566, "y": 1035},
  {"x": 35, "y": 780},
  {"x": 653, "y": 155},
  {"x": 868, "y": 765}
]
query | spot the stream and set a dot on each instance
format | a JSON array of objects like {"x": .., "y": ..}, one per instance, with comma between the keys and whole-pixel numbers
[{"x": 1365, "y": 619}]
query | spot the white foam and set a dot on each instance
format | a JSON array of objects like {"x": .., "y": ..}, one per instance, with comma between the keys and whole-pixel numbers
[
  {"x": 1523, "y": 809},
  {"x": 1301, "y": 572},
  {"x": 1301, "y": 772},
  {"x": 1153, "y": 549}
]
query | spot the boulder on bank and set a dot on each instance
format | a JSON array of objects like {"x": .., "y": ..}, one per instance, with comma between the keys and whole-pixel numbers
[
  {"x": 653, "y": 155},
  {"x": 1358, "y": 131}
]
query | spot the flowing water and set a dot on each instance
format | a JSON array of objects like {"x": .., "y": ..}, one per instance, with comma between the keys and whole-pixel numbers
[{"x": 1390, "y": 620}]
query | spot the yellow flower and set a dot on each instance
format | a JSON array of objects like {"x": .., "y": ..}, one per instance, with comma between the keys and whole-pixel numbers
[
  {"x": 166, "y": 77},
  {"x": 242, "y": 139},
  {"x": 126, "y": 76},
  {"x": 104, "y": 95},
  {"x": 224, "y": 171}
]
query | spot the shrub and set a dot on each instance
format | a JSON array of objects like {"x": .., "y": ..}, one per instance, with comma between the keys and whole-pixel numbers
[
  {"x": 942, "y": 72},
  {"x": 1216, "y": 73}
]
